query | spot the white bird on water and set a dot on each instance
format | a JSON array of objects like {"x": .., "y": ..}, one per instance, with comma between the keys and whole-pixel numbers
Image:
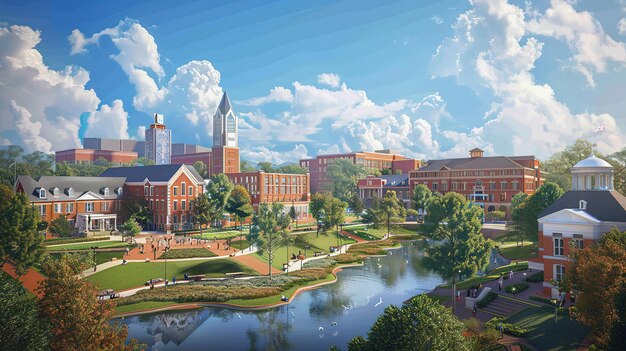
[
  {"x": 379, "y": 266},
  {"x": 379, "y": 302},
  {"x": 321, "y": 329},
  {"x": 238, "y": 316},
  {"x": 345, "y": 307},
  {"x": 293, "y": 314},
  {"x": 333, "y": 323}
]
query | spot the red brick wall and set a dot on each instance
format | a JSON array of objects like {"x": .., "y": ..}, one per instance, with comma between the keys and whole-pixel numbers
[{"x": 90, "y": 155}]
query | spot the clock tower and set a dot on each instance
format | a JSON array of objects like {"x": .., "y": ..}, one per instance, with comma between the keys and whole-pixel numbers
[
  {"x": 225, "y": 151},
  {"x": 159, "y": 142}
]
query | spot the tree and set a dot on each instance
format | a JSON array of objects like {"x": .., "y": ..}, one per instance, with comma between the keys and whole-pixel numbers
[
  {"x": 22, "y": 328},
  {"x": 334, "y": 215},
  {"x": 293, "y": 215},
  {"x": 316, "y": 207},
  {"x": 266, "y": 167},
  {"x": 142, "y": 161},
  {"x": 527, "y": 209},
  {"x": 61, "y": 227},
  {"x": 269, "y": 230},
  {"x": 618, "y": 161},
  {"x": 618, "y": 331},
  {"x": 597, "y": 272},
  {"x": 356, "y": 204},
  {"x": 201, "y": 210},
  {"x": 455, "y": 223},
  {"x": 388, "y": 211},
  {"x": 219, "y": 189},
  {"x": 421, "y": 195},
  {"x": 201, "y": 168},
  {"x": 130, "y": 228},
  {"x": 343, "y": 176},
  {"x": 137, "y": 209},
  {"x": 79, "y": 321},
  {"x": 291, "y": 168},
  {"x": 558, "y": 165},
  {"x": 424, "y": 324},
  {"x": 20, "y": 239},
  {"x": 245, "y": 166},
  {"x": 239, "y": 204}
]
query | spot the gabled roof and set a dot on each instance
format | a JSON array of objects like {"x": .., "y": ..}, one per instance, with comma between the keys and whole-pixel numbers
[
  {"x": 605, "y": 205},
  {"x": 224, "y": 104},
  {"x": 396, "y": 179},
  {"x": 80, "y": 185},
  {"x": 497, "y": 162},
  {"x": 156, "y": 173}
]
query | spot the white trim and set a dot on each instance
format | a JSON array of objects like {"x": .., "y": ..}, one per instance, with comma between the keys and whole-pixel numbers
[
  {"x": 88, "y": 196},
  {"x": 144, "y": 183},
  {"x": 577, "y": 212},
  {"x": 559, "y": 258}
]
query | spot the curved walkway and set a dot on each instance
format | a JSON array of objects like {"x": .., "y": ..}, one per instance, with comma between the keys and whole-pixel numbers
[{"x": 30, "y": 280}]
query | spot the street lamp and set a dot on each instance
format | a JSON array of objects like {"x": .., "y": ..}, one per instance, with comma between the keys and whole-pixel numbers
[
  {"x": 167, "y": 248},
  {"x": 454, "y": 293},
  {"x": 95, "y": 265},
  {"x": 555, "y": 302},
  {"x": 306, "y": 247}
]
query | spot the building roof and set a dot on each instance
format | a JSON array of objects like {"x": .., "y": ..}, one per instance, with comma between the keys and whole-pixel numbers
[
  {"x": 592, "y": 162},
  {"x": 497, "y": 162},
  {"x": 396, "y": 179},
  {"x": 80, "y": 186},
  {"x": 605, "y": 205},
  {"x": 156, "y": 173},
  {"x": 224, "y": 104}
]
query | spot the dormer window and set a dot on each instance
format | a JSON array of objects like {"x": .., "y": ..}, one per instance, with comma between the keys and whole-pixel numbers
[
  {"x": 55, "y": 191},
  {"x": 42, "y": 193},
  {"x": 105, "y": 191},
  {"x": 582, "y": 204},
  {"x": 119, "y": 191},
  {"x": 70, "y": 191}
]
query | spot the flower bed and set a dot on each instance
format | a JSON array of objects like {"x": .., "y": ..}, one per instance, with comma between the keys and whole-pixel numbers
[
  {"x": 507, "y": 328},
  {"x": 346, "y": 258},
  {"x": 187, "y": 253},
  {"x": 516, "y": 288}
]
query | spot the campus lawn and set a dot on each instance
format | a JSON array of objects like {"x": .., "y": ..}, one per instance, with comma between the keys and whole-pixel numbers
[
  {"x": 142, "y": 306},
  {"x": 135, "y": 274},
  {"x": 494, "y": 274},
  {"x": 101, "y": 256},
  {"x": 325, "y": 240},
  {"x": 88, "y": 245},
  {"x": 542, "y": 332},
  {"x": 439, "y": 298},
  {"x": 378, "y": 233},
  {"x": 240, "y": 244},
  {"x": 187, "y": 253},
  {"x": 523, "y": 252},
  {"x": 220, "y": 235}
]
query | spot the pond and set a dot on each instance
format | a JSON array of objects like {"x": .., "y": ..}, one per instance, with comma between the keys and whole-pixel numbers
[{"x": 314, "y": 320}]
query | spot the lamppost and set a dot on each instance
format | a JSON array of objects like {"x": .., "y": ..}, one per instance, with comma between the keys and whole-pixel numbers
[
  {"x": 454, "y": 293},
  {"x": 555, "y": 302},
  {"x": 95, "y": 265},
  {"x": 167, "y": 248},
  {"x": 306, "y": 247}
]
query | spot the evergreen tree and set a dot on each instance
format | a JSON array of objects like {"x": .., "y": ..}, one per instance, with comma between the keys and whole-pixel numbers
[
  {"x": 293, "y": 215},
  {"x": 61, "y": 227},
  {"x": 356, "y": 204},
  {"x": 334, "y": 215},
  {"x": 420, "y": 198},
  {"x": 316, "y": 207}
]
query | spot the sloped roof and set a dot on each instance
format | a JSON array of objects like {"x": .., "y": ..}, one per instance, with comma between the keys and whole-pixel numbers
[
  {"x": 605, "y": 205},
  {"x": 471, "y": 163},
  {"x": 396, "y": 179},
  {"x": 156, "y": 173},
  {"x": 80, "y": 185},
  {"x": 224, "y": 104}
]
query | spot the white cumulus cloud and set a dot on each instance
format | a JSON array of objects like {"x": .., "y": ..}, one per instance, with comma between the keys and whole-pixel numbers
[
  {"x": 277, "y": 94},
  {"x": 621, "y": 26},
  {"x": 330, "y": 79},
  {"x": 265, "y": 154},
  {"x": 109, "y": 122}
]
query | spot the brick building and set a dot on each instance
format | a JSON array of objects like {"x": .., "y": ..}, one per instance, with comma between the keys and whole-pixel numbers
[
  {"x": 579, "y": 218},
  {"x": 89, "y": 156},
  {"x": 487, "y": 181},
  {"x": 376, "y": 187},
  {"x": 92, "y": 204},
  {"x": 287, "y": 189},
  {"x": 372, "y": 161},
  {"x": 169, "y": 190}
]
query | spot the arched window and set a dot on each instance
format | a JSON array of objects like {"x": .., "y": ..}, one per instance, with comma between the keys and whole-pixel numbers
[
  {"x": 42, "y": 193},
  {"x": 55, "y": 191},
  {"x": 230, "y": 123},
  {"x": 105, "y": 191},
  {"x": 119, "y": 191},
  {"x": 479, "y": 182},
  {"x": 70, "y": 191}
]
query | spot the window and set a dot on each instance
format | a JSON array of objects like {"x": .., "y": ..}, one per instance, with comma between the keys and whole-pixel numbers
[
  {"x": 145, "y": 191},
  {"x": 151, "y": 190},
  {"x": 582, "y": 205},
  {"x": 577, "y": 242},
  {"x": 190, "y": 205},
  {"x": 69, "y": 207},
  {"x": 183, "y": 218},
  {"x": 57, "y": 208},
  {"x": 559, "y": 272},
  {"x": 191, "y": 190},
  {"x": 502, "y": 185},
  {"x": 175, "y": 219},
  {"x": 183, "y": 188},
  {"x": 492, "y": 185},
  {"x": 434, "y": 186},
  {"x": 119, "y": 191},
  {"x": 105, "y": 206},
  {"x": 42, "y": 193},
  {"x": 105, "y": 191},
  {"x": 558, "y": 246},
  {"x": 42, "y": 210},
  {"x": 88, "y": 206},
  {"x": 55, "y": 191},
  {"x": 175, "y": 191},
  {"x": 183, "y": 205},
  {"x": 503, "y": 197},
  {"x": 515, "y": 185},
  {"x": 175, "y": 206}
]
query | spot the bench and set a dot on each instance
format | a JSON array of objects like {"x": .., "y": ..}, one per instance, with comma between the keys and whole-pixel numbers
[
  {"x": 318, "y": 253},
  {"x": 195, "y": 278},
  {"x": 154, "y": 281}
]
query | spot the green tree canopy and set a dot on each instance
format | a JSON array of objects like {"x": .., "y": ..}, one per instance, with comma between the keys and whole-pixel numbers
[
  {"x": 456, "y": 224},
  {"x": 201, "y": 210},
  {"x": 343, "y": 176},
  {"x": 201, "y": 168},
  {"x": 317, "y": 204},
  {"x": 388, "y": 211},
  {"x": 245, "y": 166},
  {"x": 420, "y": 198},
  {"x": 61, "y": 227},
  {"x": 269, "y": 231},
  {"x": 130, "y": 228},
  {"x": 239, "y": 204},
  {"x": 219, "y": 190},
  {"x": 424, "y": 324},
  {"x": 137, "y": 209},
  {"x": 334, "y": 215},
  {"x": 526, "y": 209},
  {"x": 356, "y": 204}
]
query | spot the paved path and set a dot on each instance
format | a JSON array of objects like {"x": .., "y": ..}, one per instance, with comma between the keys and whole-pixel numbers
[
  {"x": 30, "y": 280},
  {"x": 255, "y": 263},
  {"x": 357, "y": 238}
]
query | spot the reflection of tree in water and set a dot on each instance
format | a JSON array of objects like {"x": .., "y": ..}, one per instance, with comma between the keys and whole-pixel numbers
[
  {"x": 175, "y": 327},
  {"x": 329, "y": 302},
  {"x": 272, "y": 331}
]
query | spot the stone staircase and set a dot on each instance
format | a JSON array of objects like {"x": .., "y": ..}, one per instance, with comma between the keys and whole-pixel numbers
[{"x": 505, "y": 306}]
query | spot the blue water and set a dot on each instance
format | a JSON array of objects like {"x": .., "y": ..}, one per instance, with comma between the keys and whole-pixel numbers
[{"x": 344, "y": 310}]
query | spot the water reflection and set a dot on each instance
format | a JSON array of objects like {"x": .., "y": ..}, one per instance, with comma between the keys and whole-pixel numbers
[{"x": 315, "y": 320}]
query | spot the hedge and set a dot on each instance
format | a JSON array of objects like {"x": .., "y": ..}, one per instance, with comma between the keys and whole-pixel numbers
[
  {"x": 535, "y": 278},
  {"x": 187, "y": 253},
  {"x": 541, "y": 299},
  {"x": 487, "y": 299},
  {"x": 508, "y": 328},
  {"x": 60, "y": 241},
  {"x": 516, "y": 288}
]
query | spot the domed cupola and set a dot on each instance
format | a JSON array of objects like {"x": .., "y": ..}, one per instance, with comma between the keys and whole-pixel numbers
[{"x": 592, "y": 173}]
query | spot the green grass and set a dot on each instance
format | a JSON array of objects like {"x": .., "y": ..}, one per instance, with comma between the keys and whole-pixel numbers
[
  {"x": 142, "y": 306},
  {"x": 378, "y": 233},
  {"x": 542, "y": 333},
  {"x": 101, "y": 256},
  {"x": 524, "y": 252},
  {"x": 72, "y": 240},
  {"x": 439, "y": 298},
  {"x": 133, "y": 275},
  {"x": 187, "y": 253},
  {"x": 240, "y": 244},
  {"x": 494, "y": 274},
  {"x": 86, "y": 246},
  {"x": 221, "y": 235}
]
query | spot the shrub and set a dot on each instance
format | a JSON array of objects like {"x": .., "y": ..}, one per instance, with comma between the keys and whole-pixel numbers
[
  {"x": 516, "y": 288},
  {"x": 199, "y": 293},
  {"x": 346, "y": 258},
  {"x": 507, "y": 328},
  {"x": 187, "y": 253},
  {"x": 540, "y": 299},
  {"x": 487, "y": 299},
  {"x": 59, "y": 241},
  {"x": 535, "y": 277},
  {"x": 321, "y": 263}
]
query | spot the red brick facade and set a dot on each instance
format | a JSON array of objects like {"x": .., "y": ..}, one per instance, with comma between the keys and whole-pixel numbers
[{"x": 88, "y": 156}]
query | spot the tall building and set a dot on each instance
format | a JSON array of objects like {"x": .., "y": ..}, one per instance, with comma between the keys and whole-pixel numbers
[
  {"x": 225, "y": 131},
  {"x": 372, "y": 161},
  {"x": 488, "y": 181},
  {"x": 578, "y": 219},
  {"x": 159, "y": 142}
]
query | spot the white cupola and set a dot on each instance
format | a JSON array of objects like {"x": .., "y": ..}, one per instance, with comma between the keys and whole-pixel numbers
[{"x": 592, "y": 173}]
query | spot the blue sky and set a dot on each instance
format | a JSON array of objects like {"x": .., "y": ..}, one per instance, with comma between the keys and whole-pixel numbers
[{"x": 428, "y": 78}]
